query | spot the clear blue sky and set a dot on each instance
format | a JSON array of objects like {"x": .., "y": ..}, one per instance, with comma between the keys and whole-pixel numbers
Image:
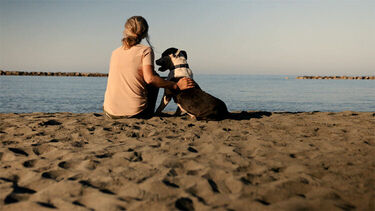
[{"x": 314, "y": 37}]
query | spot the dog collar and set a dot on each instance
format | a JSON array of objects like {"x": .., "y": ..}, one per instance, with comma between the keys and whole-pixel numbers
[{"x": 180, "y": 65}]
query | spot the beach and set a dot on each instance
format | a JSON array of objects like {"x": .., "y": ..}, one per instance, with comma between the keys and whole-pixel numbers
[{"x": 252, "y": 161}]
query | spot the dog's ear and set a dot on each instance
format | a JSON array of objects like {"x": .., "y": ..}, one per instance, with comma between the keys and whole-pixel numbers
[
  {"x": 184, "y": 54},
  {"x": 169, "y": 51},
  {"x": 163, "y": 63}
]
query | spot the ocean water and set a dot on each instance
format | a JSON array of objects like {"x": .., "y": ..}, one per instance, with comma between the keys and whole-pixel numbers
[{"x": 24, "y": 94}]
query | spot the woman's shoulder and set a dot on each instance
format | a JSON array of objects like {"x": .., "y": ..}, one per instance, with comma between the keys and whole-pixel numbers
[
  {"x": 143, "y": 47},
  {"x": 137, "y": 48},
  {"x": 120, "y": 48}
]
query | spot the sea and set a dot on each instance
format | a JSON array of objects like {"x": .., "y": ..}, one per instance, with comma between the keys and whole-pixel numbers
[{"x": 26, "y": 94}]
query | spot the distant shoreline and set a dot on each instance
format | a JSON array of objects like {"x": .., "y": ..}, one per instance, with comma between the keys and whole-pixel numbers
[
  {"x": 69, "y": 74},
  {"x": 338, "y": 77},
  {"x": 79, "y": 74}
]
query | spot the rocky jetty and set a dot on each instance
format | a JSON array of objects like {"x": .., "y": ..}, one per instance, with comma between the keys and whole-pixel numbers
[
  {"x": 70, "y": 74},
  {"x": 338, "y": 77}
]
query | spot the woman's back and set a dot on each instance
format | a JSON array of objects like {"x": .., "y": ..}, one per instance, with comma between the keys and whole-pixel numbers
[{"x": 126, "y": 94}]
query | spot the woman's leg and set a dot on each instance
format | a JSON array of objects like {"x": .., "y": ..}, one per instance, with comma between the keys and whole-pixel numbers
[{"x": 152, "y": 96}]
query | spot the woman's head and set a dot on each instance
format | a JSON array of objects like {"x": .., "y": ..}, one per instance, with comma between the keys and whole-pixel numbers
[{"x": 136, "y": 28}]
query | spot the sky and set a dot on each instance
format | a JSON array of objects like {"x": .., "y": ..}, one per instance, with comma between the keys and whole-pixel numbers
[{"x": 279, "y": 37}]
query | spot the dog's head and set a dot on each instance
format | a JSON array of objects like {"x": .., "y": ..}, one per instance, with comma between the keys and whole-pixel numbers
[{"x": 170, "y": 58}]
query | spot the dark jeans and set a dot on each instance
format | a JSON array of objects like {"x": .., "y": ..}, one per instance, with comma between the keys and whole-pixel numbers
[{"x": 152, "y": 96}]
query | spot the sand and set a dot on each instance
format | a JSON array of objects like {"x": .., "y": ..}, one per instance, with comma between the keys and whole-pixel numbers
[{"x": 254, "y": 161}]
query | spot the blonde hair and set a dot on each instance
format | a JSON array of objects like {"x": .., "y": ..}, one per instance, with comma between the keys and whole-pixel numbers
[{"x": 136, "y": 28}]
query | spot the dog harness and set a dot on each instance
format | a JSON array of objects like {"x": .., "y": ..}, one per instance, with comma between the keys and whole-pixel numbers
[
  {"x": 180, "y": 65},
  {"x": 180, "y": 68}
]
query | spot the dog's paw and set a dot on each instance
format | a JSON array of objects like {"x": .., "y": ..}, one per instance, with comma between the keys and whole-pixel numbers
[{"x": 192, "y": 116}]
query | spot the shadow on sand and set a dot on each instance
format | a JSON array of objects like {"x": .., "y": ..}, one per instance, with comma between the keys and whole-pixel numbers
[
  {"x": 243, "y": 115},
  {"x": 246, "y": 115}
]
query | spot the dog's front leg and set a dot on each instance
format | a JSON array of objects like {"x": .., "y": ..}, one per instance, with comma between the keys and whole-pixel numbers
[
  {"x": 164, "y": 102},
  {"x": 178, "y": 111}
]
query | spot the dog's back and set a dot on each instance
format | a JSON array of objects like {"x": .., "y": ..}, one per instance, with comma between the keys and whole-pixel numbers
[{"x": 201, "y": 104}]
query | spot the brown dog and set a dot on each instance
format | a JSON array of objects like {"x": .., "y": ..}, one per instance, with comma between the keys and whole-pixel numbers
[{"x": 197, "y": 103}]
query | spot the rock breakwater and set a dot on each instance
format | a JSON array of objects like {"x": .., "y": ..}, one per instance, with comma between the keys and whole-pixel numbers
[
  {"x": 338, "y": 77},
  {"x": 68, "y": 74}
]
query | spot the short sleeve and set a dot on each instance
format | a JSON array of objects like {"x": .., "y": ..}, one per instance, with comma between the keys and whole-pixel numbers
[{"x": 148, "y": 57}]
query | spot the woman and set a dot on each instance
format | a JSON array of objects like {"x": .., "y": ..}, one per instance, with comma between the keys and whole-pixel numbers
[{"x": 133, "y": 85}]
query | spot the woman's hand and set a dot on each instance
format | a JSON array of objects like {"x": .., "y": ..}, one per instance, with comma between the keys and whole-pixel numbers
[
  {"x": 152, "y": 78},
  {"x": 185, "y": 83}
]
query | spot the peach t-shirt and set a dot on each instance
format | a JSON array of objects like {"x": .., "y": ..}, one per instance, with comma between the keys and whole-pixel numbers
[{"x": 126, "y": 94}]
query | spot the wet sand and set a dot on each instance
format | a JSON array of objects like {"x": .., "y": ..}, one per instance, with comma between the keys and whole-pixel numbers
[{"x": 253, "y": 161}]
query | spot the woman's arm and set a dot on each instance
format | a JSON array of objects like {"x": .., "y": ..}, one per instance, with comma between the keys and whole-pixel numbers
[{"x": 155, "y": 80}]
